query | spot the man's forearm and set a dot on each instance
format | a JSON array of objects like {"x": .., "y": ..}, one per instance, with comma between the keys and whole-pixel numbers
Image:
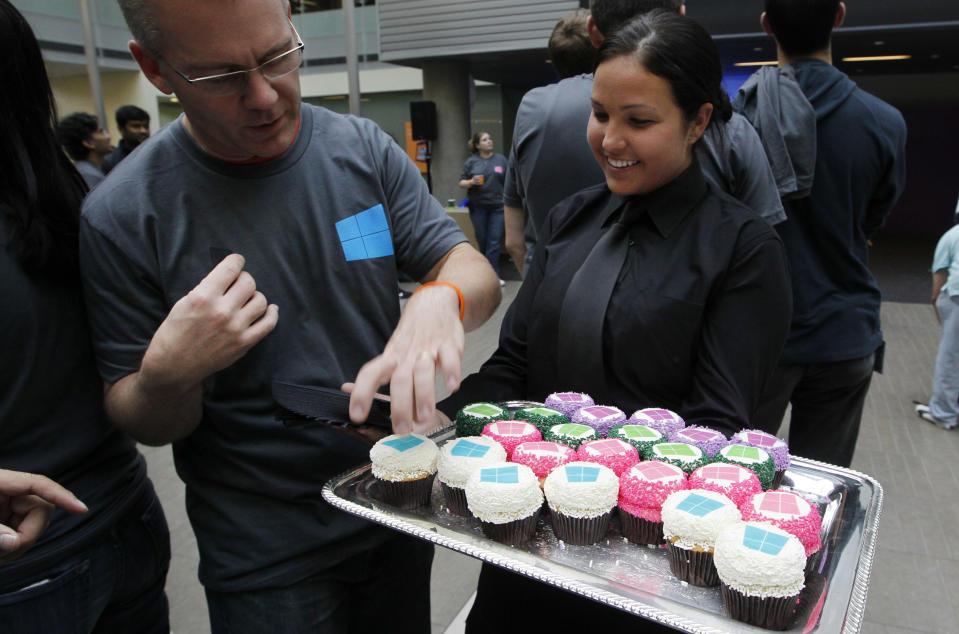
[
  {"x": 465, "y": 267},
  {"x": 153, "y": 415},
  {"x": 515, "y": 239}
]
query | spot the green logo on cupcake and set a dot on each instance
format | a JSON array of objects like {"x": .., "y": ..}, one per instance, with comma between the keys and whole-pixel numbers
[
  {"x": 574, "y": 430},
  {"x": 744, "y": 452},
  {"x": 483, "y": 409},
  {"x": 640, "y": 432},
  {"x": 676, "y": 450}
]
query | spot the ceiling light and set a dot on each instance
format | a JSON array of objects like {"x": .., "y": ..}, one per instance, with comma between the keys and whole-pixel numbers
[
  {"x": 877, "y": 58},
  {"x": 769, "y": 63}
]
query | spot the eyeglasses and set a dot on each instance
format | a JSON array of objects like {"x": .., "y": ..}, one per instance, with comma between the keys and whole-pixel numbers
[{"x": 237, "y": 81}]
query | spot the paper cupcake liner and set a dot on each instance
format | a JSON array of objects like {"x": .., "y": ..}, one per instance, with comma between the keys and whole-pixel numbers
[
  {"x": 455, "y": 500},
  {"x": 694, "y": 567},
  {"x": 581, "y": 531},
  {"x": 405, "y": 494},
  {"x": 772, "y": 613},
  {"x": 640, "y": 531},
  {"x": 515, "y": 533},
  {"x": 777, "y": 479}
]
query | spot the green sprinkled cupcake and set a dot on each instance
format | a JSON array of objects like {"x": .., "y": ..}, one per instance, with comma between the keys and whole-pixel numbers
[
  {"x": 471, "y": 419},
  {"x": 542, "y": 417},
  {"x": 570, "y": 434},
  {"x": 753, "y": 458},
  {"x": 686, "y": 457},
  {"x": 639, "y": 436}
]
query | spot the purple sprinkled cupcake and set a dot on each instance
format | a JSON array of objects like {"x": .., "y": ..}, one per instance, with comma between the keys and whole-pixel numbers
[
  {"x": 568, "y": 402},
  {"x": 602, "y": 418},
  {"x": 662, "y": 420},
  {"x": 709, "y": 440}
]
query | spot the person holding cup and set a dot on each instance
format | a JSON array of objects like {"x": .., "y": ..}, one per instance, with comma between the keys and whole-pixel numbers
[{"x": 483, "y": 177}]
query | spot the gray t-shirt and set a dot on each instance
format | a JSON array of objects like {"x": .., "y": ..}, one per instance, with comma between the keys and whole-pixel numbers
[
  {"x": 551, "y": 159},
  {"x": 324, "y": 229},
  {"x": 92, "y": 175}
]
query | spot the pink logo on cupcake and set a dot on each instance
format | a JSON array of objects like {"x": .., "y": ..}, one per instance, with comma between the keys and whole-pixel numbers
[
  {"x": 607, "y": 447},
  {"x": 782, "y": 502},
  {"x": 724, "y": 472},
  {"x": 511, "y": 428},
  {"x": 654, "y": 470}
]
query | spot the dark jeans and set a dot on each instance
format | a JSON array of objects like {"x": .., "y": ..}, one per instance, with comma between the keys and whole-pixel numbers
[
  {"x": 385, "y": 589},
  {"x": 545, "y": 608},
  {"x": 114, "y": 586},
  {"x": 489, "y": 226},
  {"x": 827, "y": 401}
]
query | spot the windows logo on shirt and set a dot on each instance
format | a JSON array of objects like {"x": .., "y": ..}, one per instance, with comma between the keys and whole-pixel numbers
[{"x": 365, "y": 235}]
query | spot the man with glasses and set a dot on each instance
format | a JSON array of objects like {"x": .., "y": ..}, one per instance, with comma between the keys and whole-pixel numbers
[{"x": 318, "y": 212}]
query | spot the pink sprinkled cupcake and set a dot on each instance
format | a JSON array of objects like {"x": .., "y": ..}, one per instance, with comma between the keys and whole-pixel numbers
[
  {"x": 776, "y": 447},
  {"x": 789, "y": 511},
  {"x": 709, "y": 440},
  {"x": 511, "y": 434},
  {"x": 542, "y": 456},
  {"x": 642, "y": 490},
  {"x": 602, "y": 418},
  {"x": 735, "y": 482},
  {"x": 663, "y": 420},
  {"x": 614, "y": 453},
  {"x": 568, "y": 402}
]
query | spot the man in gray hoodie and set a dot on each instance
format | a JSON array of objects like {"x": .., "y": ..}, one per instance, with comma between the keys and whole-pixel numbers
[{"x": 838, "y": 154}]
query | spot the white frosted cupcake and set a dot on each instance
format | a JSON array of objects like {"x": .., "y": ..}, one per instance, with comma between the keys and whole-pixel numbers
[
  {"x": 458, "y": 459},
  {"x": 692, "y": 520},
  {"x": 761, "y": 571},
  {"x": 404, "y": 468},
  {"x": 507, "y": 499},
  {"x": 581, "y": 496}
]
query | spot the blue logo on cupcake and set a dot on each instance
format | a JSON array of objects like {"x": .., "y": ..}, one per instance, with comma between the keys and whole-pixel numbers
[
  {"x": 697, "y": 505},
  {"x": 500, "y": 475},
  {"x": 404, "y": 443},
  {"x": 468, "y": 449},
  {"x": 577, "y": 473},
  {"x": 764, "y": 541}
]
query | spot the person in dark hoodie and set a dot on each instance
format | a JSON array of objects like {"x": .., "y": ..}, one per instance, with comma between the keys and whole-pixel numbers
[{"x": 838, "y": 154}]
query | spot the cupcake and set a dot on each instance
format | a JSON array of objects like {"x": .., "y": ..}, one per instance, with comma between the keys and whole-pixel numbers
[
  {"x": 761, "y": 573},
  {"x": 542, "y": 417},
  {"x": 571, "y": 434},
  {"x": 602, "y": 418},
  {"x": 458, "y": 459},
  {"x": 686, "y": 457},
  {"x": 789, "y": 511},
  {"x": 776, "y": 447},
  {"x": 642, "y": 490},
  {"x": 692, "y": 520},
  {"x": 542, "y": 457},
  {"x": 471, "y": 420},
  {"x": 709, "y": 440},
  {"x": 581, "y": 498},
  {"x": 753, "y": 458},
  {"x": 611, "y": 452},
  {"x": 507, "y": 499},
  {"x": 568, "y": 402},
  {"x": 737, "y": 483},
  {"x": 510, "y": 434},
  {"x": 404, "y": 468},
  {"x": 662, "y": 420},
  {"x": 639, "y": 436}
]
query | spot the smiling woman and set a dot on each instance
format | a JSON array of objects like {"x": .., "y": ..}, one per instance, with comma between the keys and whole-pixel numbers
[{"x": 650, "y": 290}]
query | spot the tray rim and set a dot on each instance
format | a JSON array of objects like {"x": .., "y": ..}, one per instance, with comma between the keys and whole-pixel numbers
[{"x": 855, "y": 609}]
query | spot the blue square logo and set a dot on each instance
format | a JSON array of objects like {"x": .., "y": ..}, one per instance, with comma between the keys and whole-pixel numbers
[
  {"x": 578, "y": 473},
  {"x": 404, "y": 443},
  {"x": 467, "y": 449},
  {"x": 501, "y": 475},
  {"x": 365, "y": 235},
  {"x": 764, "y": 541},
  {"x": 697, "y": 505}
]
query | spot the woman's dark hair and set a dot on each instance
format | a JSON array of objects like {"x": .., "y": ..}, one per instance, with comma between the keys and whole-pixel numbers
[
  {"x": 40, "y": 190},
  {"x": 74, "y": 130},
  {"x": 680, "y": 51},
  {"x": 474, "y": 141}
]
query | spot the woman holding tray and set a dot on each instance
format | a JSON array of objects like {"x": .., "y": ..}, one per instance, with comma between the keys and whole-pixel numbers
[{"x": 652, "y": 289}]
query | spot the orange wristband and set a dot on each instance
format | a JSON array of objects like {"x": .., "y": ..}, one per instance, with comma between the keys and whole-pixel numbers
[{"x": 459, "y": 293}]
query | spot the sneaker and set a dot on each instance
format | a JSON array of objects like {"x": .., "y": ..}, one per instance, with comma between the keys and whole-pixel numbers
[
  {"x": 923, "y": 412},
  {"x": 502, "y": 282}
]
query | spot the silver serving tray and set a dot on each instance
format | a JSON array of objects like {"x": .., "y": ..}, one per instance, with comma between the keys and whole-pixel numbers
[{"x": 636, "y": 578}]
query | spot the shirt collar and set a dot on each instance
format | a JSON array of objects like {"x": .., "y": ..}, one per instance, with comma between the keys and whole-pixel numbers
[{"x": 669, "y": 204}]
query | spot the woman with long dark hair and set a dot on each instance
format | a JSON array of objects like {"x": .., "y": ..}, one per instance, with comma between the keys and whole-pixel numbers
[
  {"x": 651, "y": 290},
  {"x": 103, "y": 570},
  {"x": 484, "y": 175}
]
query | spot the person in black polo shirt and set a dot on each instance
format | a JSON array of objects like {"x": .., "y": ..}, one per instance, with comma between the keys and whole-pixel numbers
[{"x": 133, "y": 124}]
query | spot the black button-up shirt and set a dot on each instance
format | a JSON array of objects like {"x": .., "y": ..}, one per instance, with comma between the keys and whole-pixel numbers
[{"x": 696, "y": 321}]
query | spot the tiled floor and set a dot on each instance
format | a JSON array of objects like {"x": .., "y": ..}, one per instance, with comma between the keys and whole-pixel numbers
[{"x": 917, "y": 564}]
